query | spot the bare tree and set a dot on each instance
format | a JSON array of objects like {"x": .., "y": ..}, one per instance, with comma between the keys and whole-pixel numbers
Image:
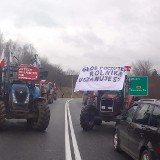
[
  {"x": 56, "y": 73},
  {"x": 71, "y": 72},
  {"x": 142, "y": 68},
  {"x": 27, "y": 53},
  {"x": 154, "y": 87}
]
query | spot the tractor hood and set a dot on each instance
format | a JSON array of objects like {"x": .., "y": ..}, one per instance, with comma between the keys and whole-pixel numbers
[{"x": 20, "y": 93}]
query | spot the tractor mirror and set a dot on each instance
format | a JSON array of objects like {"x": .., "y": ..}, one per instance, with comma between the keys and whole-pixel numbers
[
  {"x": 45, "y": 73},
  {"x": 41, "y": 75}
]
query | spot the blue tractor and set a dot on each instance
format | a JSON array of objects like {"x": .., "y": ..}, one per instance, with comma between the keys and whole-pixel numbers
[{"x": 21, "y": 98}]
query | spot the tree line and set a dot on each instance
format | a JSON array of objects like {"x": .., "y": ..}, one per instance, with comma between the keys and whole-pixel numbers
[
  {"x": 25, "y": 52},
  {"x": 145, "y": 68}
]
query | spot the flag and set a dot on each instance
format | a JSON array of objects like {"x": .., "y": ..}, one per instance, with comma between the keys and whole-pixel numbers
[
  {"x": 36, "y": 61},
  {"x": 128, "y": 68},
  {"x": 2, "y": 63},
  {"x": 11, "y": 57}
]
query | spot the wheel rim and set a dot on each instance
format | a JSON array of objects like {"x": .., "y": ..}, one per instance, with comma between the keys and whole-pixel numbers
[
  {"x": 145, "y": 156},
  {"x": 91, "y": 119},
  {"x": 91, "y": 123},
  {"x": 115, "y": 140}
]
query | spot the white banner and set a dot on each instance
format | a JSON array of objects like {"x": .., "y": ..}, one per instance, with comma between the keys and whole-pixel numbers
[{"x": 93, "y": 78}]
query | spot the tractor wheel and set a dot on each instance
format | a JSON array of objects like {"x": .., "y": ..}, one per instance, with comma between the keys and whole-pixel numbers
[
  {"x": 41, "y": 122},
  {"x": 98, "y": 122},
  {"x": 52, "y": 100},
  {"x": 49, "y": 101},
  {"x": 55, "y": 98},
  {"x": 87, "y": 118},
  {"x": 2, "y": 113}
]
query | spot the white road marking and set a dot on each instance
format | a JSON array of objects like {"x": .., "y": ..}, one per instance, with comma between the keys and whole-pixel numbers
[
  {"x": 74, "y": 141},
  {"x": 75, "y": 145},
  {"x": 67, "y": 142}
]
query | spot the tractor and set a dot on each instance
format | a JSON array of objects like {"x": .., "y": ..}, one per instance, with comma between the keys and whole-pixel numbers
[
  {"x": 104, "y": 105},
  {"x": 47, "y": 90},
  {"x": 21, "y": 98}
]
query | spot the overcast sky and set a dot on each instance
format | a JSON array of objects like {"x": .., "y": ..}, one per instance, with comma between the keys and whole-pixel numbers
[{"x": 75, "y": 33}]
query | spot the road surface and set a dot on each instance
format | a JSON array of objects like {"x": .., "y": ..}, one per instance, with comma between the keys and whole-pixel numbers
[{"x": 64, "y": 138}]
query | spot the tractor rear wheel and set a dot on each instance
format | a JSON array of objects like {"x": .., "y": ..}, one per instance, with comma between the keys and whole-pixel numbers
[
  {"x": 55, "y": 98},
  {"x": 41, "y": 122},
  {"x": 2, "y": 113},
  {"x": 52, "y": 100},
  {"x": 49, "y": 100}
]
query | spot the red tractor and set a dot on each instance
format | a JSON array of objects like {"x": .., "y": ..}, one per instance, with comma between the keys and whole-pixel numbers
[{"x": 104, "y": 106}]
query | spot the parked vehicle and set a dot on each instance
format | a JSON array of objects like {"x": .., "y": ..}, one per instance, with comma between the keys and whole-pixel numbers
[{"x": 137, "y": 130}]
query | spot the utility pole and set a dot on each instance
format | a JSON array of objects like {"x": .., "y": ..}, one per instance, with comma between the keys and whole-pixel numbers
[{"x": 72, "y": 85}]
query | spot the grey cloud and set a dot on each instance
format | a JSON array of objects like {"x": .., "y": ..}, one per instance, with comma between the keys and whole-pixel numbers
[
  {"x": 84, "y": 40},
  {"x": 36, "y": 18},
  {"x": 112, "y": 55},
  {"x": 27, "y": 13},
  {"x": 132, "y": 24}
]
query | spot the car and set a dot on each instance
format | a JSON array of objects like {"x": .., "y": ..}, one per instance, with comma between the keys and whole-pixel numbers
[{"x": 137, "y": 130}]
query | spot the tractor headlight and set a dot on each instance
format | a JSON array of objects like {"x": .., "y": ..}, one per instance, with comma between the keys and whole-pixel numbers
[
  {"x": 27, "y": 99},
  {"x": 14, "y": 98}
]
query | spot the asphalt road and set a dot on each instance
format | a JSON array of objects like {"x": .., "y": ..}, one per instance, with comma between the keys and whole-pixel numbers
[{"x": 64, "y": 139}]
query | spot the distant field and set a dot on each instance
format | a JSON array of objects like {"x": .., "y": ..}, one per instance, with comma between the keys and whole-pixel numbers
[{"x": 67, "y": 93}]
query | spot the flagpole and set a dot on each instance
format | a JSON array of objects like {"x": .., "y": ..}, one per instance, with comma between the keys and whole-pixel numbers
[
  {"x": 2, "y": 63},
  {"x": 8, "y": 66}
]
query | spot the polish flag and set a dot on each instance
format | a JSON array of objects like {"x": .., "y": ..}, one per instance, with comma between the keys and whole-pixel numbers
[
  {"x": 2, "y": 63},
  {"x": 128, "y": 68}
]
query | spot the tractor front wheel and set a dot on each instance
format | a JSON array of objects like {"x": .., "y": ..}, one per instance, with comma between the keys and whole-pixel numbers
[
  {"x": 87, "y": 118},
  {"x": 41, "y": 122}
]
